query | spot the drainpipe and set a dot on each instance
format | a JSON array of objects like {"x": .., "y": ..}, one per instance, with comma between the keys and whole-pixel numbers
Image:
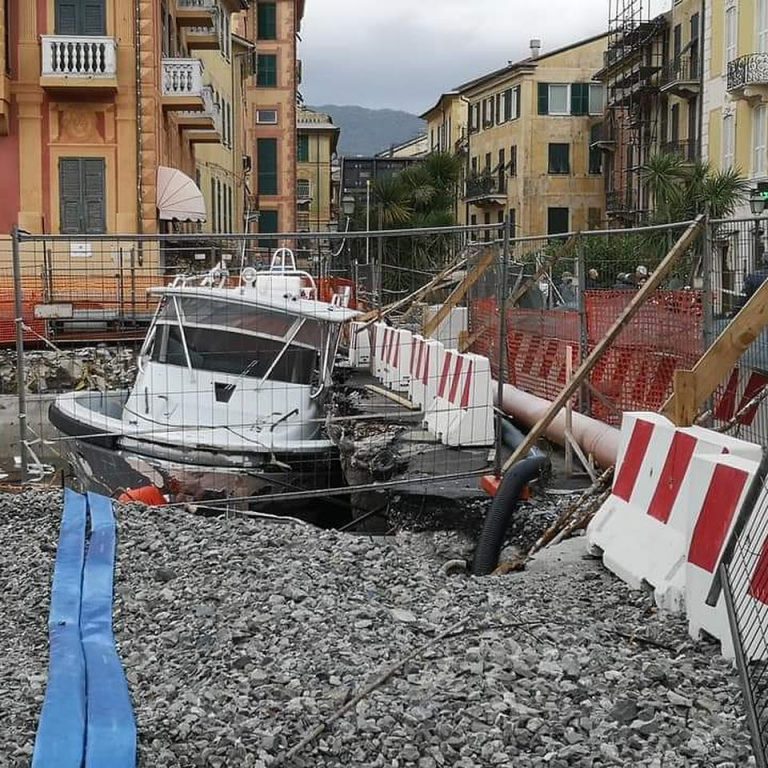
[{"x": 139, "y": 115}]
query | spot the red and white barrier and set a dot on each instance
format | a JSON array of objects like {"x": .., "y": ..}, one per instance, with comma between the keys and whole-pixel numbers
[
  {"x": 461, "y": 413},
  {"x": 360, "y": 339},
  {"x": 644, "y": 527},
  {"x": 716, "y": 491},
  {"x": 383, "y": 335},
  {"x": 426, "y": 363},
  {"x": 400, "y": 353}
]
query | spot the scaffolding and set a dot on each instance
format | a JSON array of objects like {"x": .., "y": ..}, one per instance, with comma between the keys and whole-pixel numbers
[{"x": 636, "y": 107}]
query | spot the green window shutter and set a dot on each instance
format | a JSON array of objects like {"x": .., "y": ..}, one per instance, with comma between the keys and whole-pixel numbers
[
  {"x": 508, "y": 104},
  {"x": 93, "y": 18},
  {"x": 70, "y": 202},
  {"x": 266, "y": 70},
  {"x": 67, "y": 17},
  {"x": 266, "y": 159},
  {"x": 580, "y": 99},
  {"x": 302, "y": 154},
  {"x": 518, "y": 93},
  {"x": 268, "y": 224},
  {"x": 267, "y": 21},
  {"x": 543, "y": 98},
  {"x": 93, "y": 196}
]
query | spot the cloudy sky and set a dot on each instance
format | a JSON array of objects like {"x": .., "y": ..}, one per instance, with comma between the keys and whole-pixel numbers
[{"x": 403, "y": 54}]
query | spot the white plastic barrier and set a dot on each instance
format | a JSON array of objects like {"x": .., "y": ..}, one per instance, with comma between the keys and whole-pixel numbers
[
  {"x": 359, "y": 344},
  {"x": 398, "y": 369},
  {"x": 453, "y": 326},
  {"x": 426, "y": 362},
  {"x": 715, "y": 493},
  {"x": 381, "y": 337},
  {"x": 644, "y": 527},
  {"x": 461, "y": 413}
]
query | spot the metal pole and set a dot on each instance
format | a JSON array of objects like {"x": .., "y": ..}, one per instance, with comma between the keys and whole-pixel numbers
[
  {"x": 502, "y": 352},
  {"x": 368, "y": 221},
  {"x": 581, "y": 264},
  {"x": 20, "y": 377},
  {"x": 707, "y": 264}
]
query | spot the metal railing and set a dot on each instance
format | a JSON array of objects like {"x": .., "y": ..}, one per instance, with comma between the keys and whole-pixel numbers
[
  {"x": 79, "y": 56},
  {"x": 687, "y": 149},
  {"x": 751, "y": 69},
  {"x": 182, "y": 77},
  {"x": 683, "y": 69},
  {"x": 485, "y": 185},
  {"x": 207, "y": 5}
]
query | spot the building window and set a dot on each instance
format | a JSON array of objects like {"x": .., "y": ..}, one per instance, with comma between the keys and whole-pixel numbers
[
  {"x": 268, "y": 224},
  {"x": 513, "y": 160},
  {"x": 554, "y": 99},
  {"x": 266, "y": 70},
  {"x": 759, "y": 131},
  {"x": 266, "y": 159},
  {"x": 594, "y": 219},
  {"x": 498, "y": 109},
  {"x": 214, "y": 220},
  {"x": 266, "y": 21},
  {"x": 488, "y": 161},
  {"x": 595, "y": 154},
  {"x": 266, "y": 116},
  {"x": 82, "y": 196},
  {"x": 557, "y": 221},
  {"x": 729, "y": 141},
  {"x": 559, "y": 158},
  {"x": 80, "y": 17},
  {"x": 762, "y": 26},
  {"x": 303, "y": 189},
  {"x": 473, "y": 166},
  {"x": 731, "y": 33},
  {"x": 302, "y": 151},
  {"x": 596, "y": 99}
]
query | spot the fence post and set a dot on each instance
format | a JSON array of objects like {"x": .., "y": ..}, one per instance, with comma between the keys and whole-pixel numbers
[
  {"x": 581, "y": 267},
  {"x": 502, "y": 351},
  {"x": 707, "y": 297},
  {"x": 20, "y": 377}
]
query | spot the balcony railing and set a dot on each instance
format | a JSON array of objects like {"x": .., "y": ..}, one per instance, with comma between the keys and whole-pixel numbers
[
  {"x": 182, "y": 77},
  {"x": 683, "y": 69},
  {"x": 79, "y": 56},
  {"x": 211, "y": 110},
  {"x": 193, "y": 5},
  {"x": 747, "y": 70},
  {"x": 485, "y": 186},
  {"x": 688, "y": 150},
  {"x": 303, "y": 190}
]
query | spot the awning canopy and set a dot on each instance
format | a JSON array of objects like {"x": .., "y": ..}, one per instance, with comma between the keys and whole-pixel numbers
[{"x": 178, "y": 197}]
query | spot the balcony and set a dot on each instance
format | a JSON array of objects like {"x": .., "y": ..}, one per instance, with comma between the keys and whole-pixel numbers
[
  {"x": 748, "y": 76},
  {"x": 486, "y": 190},
  {"x": 79, "y": 62},
  {"x": 203, "y": 126},
  {"x": 203, "y": 38},
  {"x": 182, "y": 85},
  {"x": 682, "y": 77},
  {"x": 687, "y": 150},
  {"x": 303, "y": 192},
  {"x": 196, "y": 13}
]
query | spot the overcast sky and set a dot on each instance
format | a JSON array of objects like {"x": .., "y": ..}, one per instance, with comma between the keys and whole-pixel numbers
[{"x": 403, "y": 54}]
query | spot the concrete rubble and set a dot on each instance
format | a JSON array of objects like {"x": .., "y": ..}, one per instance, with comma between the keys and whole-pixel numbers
[{"x": 240, "y": 637}]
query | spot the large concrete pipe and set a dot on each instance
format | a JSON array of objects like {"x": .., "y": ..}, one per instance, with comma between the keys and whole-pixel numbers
[{"x": 595, "y": 438}]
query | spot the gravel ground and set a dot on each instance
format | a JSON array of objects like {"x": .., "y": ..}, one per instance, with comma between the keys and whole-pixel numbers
[{"x": 238, "y": 638}]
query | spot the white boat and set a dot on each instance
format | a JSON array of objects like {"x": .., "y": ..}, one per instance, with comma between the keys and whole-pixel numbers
[{"x": 229, "y": 400}]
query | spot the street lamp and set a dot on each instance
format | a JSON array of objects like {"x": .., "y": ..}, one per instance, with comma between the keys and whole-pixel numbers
[
  {"x": 757, "y": 202},
  {"x": 348, "y": 206}
]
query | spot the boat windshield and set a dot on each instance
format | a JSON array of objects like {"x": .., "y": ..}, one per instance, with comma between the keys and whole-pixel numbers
[{"x": 239, "y": 340}]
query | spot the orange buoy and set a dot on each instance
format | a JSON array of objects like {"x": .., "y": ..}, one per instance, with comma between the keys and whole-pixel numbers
[{"x": 148, "y": 494}]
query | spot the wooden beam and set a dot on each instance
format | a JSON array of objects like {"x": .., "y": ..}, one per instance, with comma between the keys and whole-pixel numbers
[
  {"x": 653, "y": 282},
  {"x": 523, "y": 288},
  {"x": 460, "y": 291},
  {"x": 718, "y": 361}
]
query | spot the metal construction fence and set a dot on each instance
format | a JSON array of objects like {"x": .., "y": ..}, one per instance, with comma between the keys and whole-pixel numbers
[{"x": 85, "y": 301}]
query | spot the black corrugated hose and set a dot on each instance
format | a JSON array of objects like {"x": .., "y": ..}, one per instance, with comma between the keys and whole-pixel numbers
[{"x": 499, "y": 515}]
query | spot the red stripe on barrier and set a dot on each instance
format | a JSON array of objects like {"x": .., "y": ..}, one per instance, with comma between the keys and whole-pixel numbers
[
  {"x": 397, "y": 340},
  {"x": 758, "y": 585},
  {"x": 715, "y": 516},
  {"x": 416, "y": 359},
  {"x": 456, "y": 378},
  {"x": 633, "y": 459},
  {"x": 444, "y": 375},
  {"x": 726, "y": 406},
  {"x": 756, "y": 382},
  {"x": 467, "y": 384},
  {"x": 672, "y": 475},
  {"x": 425, "y": 369}
]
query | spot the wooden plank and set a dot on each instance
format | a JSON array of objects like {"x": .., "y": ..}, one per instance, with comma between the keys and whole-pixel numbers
[
  {"x": 460, "y": 291},
  {"x": 718, "y": 361},
  {"x": 524, "y": 287},
  {"x": 653, "y": 282}
]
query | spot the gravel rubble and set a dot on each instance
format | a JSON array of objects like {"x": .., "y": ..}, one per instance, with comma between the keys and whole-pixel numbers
[{"x": 238, "y": 637}]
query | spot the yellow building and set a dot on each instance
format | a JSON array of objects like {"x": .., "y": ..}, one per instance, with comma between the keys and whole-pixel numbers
[
  {"x": 316, "y": 197},
  {"x": 525, "y": 132},
  {"x": 736, "y": 87},
  {"x": 102, "y": 107},
  {"x": 271, "y": 121}
]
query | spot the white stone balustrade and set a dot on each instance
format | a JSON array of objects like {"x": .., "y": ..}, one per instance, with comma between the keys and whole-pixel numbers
[
  {"x": 208, "y": 5},
  {"x": 79, "y": 56},
  {"x": 182, "y": 77}
]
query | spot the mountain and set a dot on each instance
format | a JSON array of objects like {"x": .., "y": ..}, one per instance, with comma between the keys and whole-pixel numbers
[{"x": 368, "y": 131}]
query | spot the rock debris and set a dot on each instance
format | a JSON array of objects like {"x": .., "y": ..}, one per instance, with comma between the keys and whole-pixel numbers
[{"x": 240, "y": 637}]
